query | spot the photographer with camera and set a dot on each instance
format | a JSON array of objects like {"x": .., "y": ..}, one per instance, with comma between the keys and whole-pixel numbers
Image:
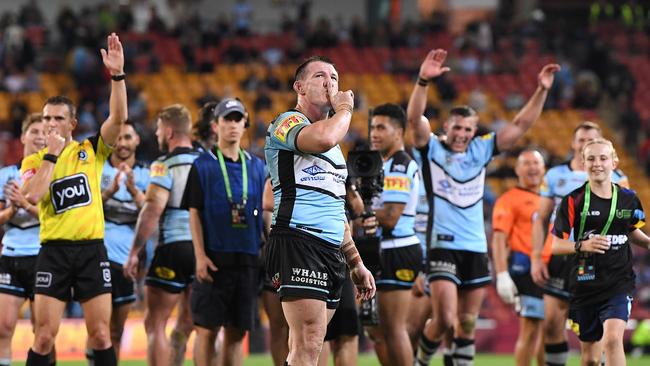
[{"x": 394, "y": 218}]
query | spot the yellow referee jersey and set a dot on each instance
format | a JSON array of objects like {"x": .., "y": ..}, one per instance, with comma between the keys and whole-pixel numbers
[{"x": 72, "y": 208}]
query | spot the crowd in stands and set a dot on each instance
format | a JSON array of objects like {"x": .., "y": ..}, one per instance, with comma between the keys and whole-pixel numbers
[{"x": 598, "y": 54}]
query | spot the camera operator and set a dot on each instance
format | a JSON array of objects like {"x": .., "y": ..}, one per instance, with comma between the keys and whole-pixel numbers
[{"x": 401, "y": 254}]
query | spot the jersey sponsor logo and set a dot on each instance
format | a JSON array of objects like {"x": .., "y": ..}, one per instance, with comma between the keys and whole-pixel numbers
[
  {"x": 83, "y": 155},
  {"x": 158, "y": 169},
  {"x": 308, "y": 276},
  {"x": 405, "y": 274},
  {"x": 286, "y": 125},
  {"x": 402, "y": 184},
  {"x": 165, "y": 273},
  {"x": 623, "y": 214},
  {"x": 442, "y": 266},
  {"x": 70, "y": 192},
  {"x": 401, "y": 168},
  {"x": 313, "y": 170},
  {"x": 43, "y": 279},
  {"x": 5, "y": 278}
]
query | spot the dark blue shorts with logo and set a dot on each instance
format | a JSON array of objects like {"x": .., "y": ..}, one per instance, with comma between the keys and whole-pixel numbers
[{"x": 587, "y": 321}]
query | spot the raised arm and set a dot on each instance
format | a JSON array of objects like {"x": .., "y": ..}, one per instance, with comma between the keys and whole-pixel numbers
[
  {"x": 114, "y": 62},
  {"x": 431, "y": 68},
  {"x": 324, "y": 134},
  {"x": 508, "y": 136}
]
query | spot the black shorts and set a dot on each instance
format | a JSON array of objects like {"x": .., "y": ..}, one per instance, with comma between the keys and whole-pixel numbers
[
  {"x": 172, "y": 267},
  {"x": 230, "y": 300},
  {"x": 123, "y": 290},
  {"x": 587, "y": 322},
  {"x": 466, "y": 269},
  {"x": 305, "y": 267},
  {"x": 345, "y": 321},
  {"x": 17, "y": 276},
  {"x": 530, "y": 302},
  {"x": 399, "y": 267},
  {"x": 79, "y": 269},
  {"x": 265, "y": 280},
  {"x": 559, "y": 271}
]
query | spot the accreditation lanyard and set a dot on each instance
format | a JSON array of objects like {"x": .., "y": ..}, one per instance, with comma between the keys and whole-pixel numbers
[
  {"x": 585, "y": 208},
  {"x": 226, "y": 180}
]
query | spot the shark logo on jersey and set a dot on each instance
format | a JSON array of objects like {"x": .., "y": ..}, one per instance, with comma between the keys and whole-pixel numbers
[{"x": 313, "y": 170}]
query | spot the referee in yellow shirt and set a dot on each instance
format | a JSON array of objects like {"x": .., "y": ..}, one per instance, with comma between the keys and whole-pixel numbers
[{"x": 64, "y": 180}]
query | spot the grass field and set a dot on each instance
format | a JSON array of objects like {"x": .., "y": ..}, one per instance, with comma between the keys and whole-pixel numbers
[{"x": 371, "y": 360}]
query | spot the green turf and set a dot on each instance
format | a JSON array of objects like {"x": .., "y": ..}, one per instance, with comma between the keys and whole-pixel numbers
[{"x": 371, "y": 360}]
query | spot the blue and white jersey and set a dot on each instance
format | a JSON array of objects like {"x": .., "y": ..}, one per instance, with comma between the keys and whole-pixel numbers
[
  {"x": 401, "y": 185},
  {"x": 308, "y": 189},
  {"x": 170, "y": 172},
  {"x": 22, "y": 231},
  {"x": 561, "y": 180},
  {"x": 120, "y": 211},
  {"x": 457, "y": 181}
]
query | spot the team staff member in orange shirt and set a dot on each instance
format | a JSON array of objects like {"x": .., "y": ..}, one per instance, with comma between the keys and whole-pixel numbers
[
  {"x": 64, "y": 180},
  {"x": 512, "y": 223}
]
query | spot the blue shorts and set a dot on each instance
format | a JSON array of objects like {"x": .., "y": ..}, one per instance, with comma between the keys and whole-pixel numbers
[{"x": 587, "y": 322}]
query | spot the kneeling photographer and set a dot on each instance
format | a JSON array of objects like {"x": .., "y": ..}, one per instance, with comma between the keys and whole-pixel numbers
[{"x": 394, "y": 218}]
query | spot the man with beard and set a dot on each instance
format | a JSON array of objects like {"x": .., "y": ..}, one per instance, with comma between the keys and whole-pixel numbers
[
  {"x": 172, "y": 268},
  {"x": 310, "y": 241}
]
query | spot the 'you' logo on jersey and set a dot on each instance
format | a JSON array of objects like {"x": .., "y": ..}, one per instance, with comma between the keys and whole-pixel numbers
[{"x": 70, "y": 192}]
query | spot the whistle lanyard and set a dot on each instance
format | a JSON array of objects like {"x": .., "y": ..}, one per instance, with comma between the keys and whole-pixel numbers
[
  {"x": 226, "y": 180},
  {"x": 585, "y": 208}
]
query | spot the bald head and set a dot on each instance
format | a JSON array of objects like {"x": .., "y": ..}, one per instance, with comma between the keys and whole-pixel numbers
[{"x": 530, "y": 169}]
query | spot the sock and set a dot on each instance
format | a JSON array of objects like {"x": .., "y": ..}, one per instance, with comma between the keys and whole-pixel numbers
[
  {"x": 177, "y": 341},
  {"x": 556, "y": 354},
  {"x": 90, "y": 356},
  {"x": 5, "y": 361},
  {"x": 464, "y": 351},
  {"x": 447, "y": 357},
  {"x": 426, "y": 349},
  {"x": 36, "y": 359},
  {"x": 105, "y": 357}
]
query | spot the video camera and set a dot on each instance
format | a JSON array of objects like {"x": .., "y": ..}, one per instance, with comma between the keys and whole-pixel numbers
[{"x": 366, "y": 172}]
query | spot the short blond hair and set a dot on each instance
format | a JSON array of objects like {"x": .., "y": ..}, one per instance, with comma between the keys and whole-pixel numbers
[
  {"x": 178, "y": 117},
  {"x": 602, "y": 141},
  {"x": 29, "y": 120}
]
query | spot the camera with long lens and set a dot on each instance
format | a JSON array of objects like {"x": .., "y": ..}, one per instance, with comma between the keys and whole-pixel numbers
[{"x": 366, "y": 172}]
